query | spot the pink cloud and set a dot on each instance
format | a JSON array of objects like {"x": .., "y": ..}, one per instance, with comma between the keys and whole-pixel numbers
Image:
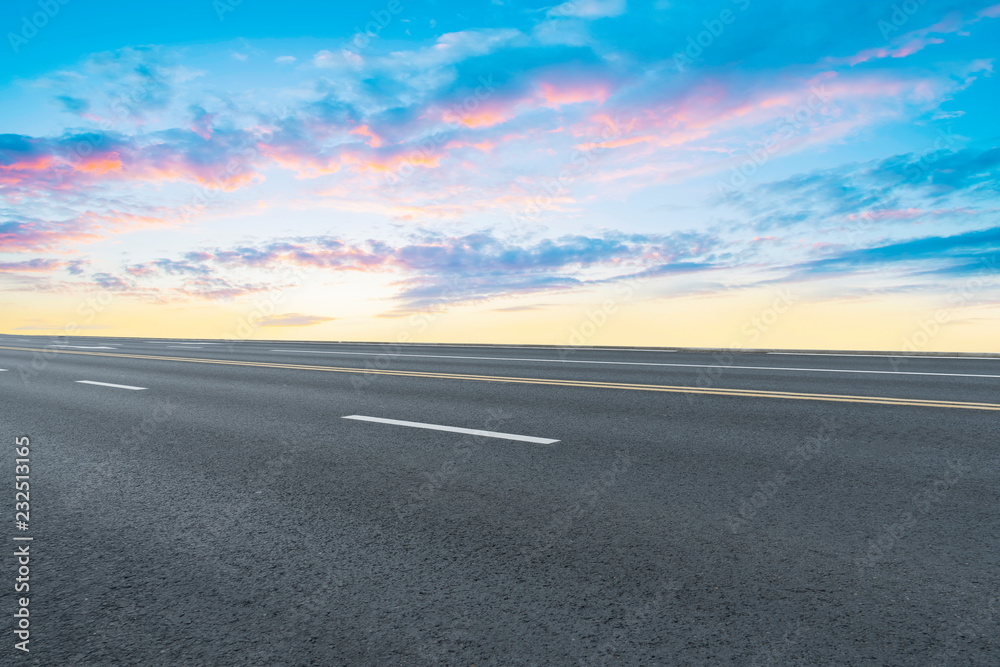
[
  {"x": 912, "y": 213},
  {"x": 37, "y": 265},
  {"x": 889, "y": 214},
  {"x": 65, "y": 236},
  {"x": 373, "y": 139},
  {"x": 394, "y": 161},
  {"x": 303, "y": 164},
  {"x": 554, "y": 96},
  {"x": 617, "y": 143},
  {"x": 202, "y": 122},
  {"x": 485, "y": 146},
  {"x": 142, "y": 271},
  {"x": 990, "y": 12},
  {"x": 38, "y": 236},
  {"x": 17, "y": 170},
  {"x": 549, "y": 94},
  {"x": 482, "y": 117},
  {"x": 100, "y": 164},
  {"x": 916, "y": 40},
  {"x": 36, "y": 164},
  {"x": 908, "y": 48}
]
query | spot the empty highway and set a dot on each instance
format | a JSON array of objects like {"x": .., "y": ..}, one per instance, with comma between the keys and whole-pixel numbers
[{"x": 215, "y": 502}]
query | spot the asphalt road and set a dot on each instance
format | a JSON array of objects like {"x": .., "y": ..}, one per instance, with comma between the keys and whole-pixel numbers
[{"x": 697, "y": 507}]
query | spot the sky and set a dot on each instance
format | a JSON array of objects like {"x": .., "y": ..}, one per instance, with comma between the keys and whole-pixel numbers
[{"x": 732, "y": 173}]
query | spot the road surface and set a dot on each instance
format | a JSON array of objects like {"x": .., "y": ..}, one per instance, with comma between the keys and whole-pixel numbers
[{"x": 205, "y": 502}]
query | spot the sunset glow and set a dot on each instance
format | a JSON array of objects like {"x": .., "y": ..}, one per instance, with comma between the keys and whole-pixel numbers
[{"x": 508, "y": 175}]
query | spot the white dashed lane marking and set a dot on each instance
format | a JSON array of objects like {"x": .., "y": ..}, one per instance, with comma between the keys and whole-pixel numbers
[
  {"x": 455, "y": 429},
  {"x": 108, "y": 384}
]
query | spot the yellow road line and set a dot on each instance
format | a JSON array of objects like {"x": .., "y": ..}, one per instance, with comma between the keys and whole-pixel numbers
[{"x": 748, "y": 393}]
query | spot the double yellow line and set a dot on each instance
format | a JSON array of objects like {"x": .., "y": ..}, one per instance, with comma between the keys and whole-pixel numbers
[{"x": 750, "y": 393}]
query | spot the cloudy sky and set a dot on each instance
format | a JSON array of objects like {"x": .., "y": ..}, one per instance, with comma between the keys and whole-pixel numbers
[{"x": 739, "y": 173}]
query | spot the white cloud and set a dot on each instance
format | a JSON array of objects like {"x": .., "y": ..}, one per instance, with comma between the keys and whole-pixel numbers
[
  {"x": 589, "y": 9},
  {"x": 570, "y": 32},
  {"x": 324, "y": 58}
]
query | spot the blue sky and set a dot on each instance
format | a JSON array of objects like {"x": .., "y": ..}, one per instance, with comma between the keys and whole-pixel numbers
[{"x": 496, "y": 171}]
